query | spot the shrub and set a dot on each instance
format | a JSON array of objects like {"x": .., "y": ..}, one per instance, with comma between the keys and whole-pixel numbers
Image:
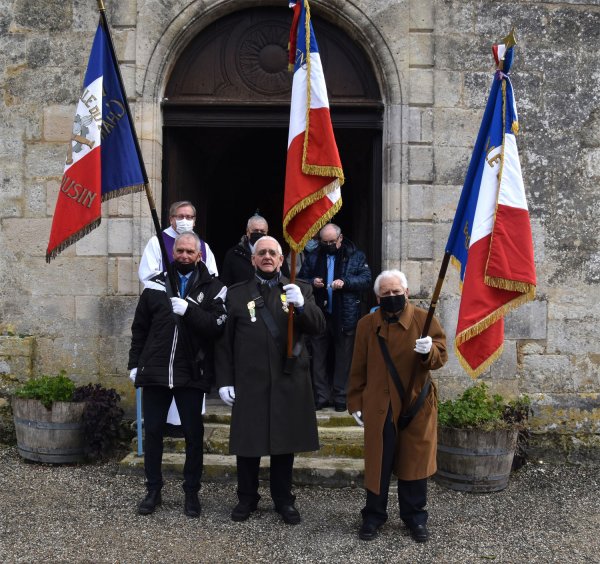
[
  {"x": 48, "y": 389},
  {"x": 101, "y": 418}
]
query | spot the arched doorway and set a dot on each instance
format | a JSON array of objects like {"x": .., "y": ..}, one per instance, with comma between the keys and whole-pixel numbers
[{"x": 225, "y": 125}]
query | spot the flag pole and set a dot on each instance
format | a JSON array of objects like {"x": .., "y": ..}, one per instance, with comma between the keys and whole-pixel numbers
[
  {"x": 291, "y": 306},
  {"x": 149, "y": 195}
]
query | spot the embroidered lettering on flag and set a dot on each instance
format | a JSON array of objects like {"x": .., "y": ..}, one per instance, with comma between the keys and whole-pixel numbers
[{"x": 102, "y": 161}]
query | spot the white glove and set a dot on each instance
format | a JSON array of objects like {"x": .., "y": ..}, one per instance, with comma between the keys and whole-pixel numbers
[
  {"x": 423, "y": 345},
  {"x": 227, "y": 394},
  {"x": 133, "y": 374},
  {"x": 358, "y": 418},
  {"x": 294, "y": 295},
  {"x": 179, "y": 305}
]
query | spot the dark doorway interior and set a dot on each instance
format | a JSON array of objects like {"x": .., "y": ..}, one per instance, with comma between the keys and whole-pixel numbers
[{"x": 230, "y": 172}]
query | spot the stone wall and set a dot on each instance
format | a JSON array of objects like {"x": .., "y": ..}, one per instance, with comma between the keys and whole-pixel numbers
[{"x": 433, "y": 61}]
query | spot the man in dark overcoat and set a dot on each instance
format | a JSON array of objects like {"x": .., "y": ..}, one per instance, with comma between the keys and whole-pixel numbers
[
  {"x": 374, "y": 400},
  {"x": 273, "y": 410},
  {"x": 171, "y": 328}
]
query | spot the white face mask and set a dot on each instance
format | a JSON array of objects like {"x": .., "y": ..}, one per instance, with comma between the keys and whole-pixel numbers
[{"x": 184, "y": 225}]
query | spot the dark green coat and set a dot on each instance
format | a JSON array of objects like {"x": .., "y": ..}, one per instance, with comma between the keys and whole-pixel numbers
[{"x": 274, "y": 413}]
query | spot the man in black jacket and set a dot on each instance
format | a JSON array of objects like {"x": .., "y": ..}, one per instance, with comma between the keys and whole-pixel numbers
[
  {"x": 237, "y": 265},
  {"x": 171, "y": 352},
  {"x": 339, "y": 274}
]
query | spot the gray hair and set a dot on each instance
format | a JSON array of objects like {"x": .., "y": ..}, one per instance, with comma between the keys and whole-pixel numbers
[
  {"x": 254, "y": 218},
  {"x": 189, "y": 234},
  {"x": 393, "y": 273},
  {"x": 176, "y": 205},
  {"x": 338, "y": 230},
  {"x": 268, "y": 238}
]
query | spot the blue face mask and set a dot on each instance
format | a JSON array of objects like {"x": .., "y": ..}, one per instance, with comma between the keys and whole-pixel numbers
[{"x": 311, "y": 245}]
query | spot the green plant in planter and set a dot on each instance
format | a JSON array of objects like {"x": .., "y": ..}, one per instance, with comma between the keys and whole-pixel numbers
[
  {"x": 102, "y": 415},
  {"x": 48, "y": 389}
]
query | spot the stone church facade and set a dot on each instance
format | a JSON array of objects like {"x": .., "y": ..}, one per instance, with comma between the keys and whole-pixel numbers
[{"x": 430, "y": 66}]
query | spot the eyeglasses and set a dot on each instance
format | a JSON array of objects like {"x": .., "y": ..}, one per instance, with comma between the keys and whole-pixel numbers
[
  {"x": 261, "y": 231},
  {"x": 333, "y": 242},
  {"x": 181, "y": 216},
  {"x": 270, "y": 252}
]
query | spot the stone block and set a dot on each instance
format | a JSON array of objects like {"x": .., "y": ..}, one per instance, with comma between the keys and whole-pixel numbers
[
  {"x": 26, "y": 237},
  {"x": 445, "y": 202},
  {"x": 455, "y": 127},
  {"x": 121, "y": 207},
  {"x": 421, "y": 14},
  {"x": 395, "y": 122},
  {"x": 107, "y": 316},
  {"x": 44, "y": 16},
  {"x": 528, "y": 321},
  {"x": 78, "y": 356},
  {"x": 551, "y": 373},
  {"x": 420, "y": 125},
  {"x": 40, "y": 316},
  {"x": 456, "y": 16},
  {"x": 123, "y": 13},
  {"x": 13, "y": 345},
  {"x": 12, "y": 49},
  {"x": 77, "y": 276},
  {"x": 447, "y": 88},
  {"x": 127, "y": 276},
  {"x": 392, "y": 241},
  {"x": 35, "y": 200},
  {"x": 420, "y": 202},
  {"x": 420, "y": 237},
  {"x": 420, "y": 87},
  {"x": 451, "y": 164},
  {"x": 476, "y": 91},
  {"x": 45, "y": 159},
  {"x": 394, "y": 163},
  {"x": 586, "y": 376},
  {"x": 51, "y": 196},
  {"x": 420, "y": 163},
  {"x": 38, "y": 88},
  {"x": 11, "y": 180},
  {"x": 58, "y": 124},
  {"x": 124, "y": 40},
  {"x": 11, "y": 144},
  {"x": 505, "y": 367},
  {"x": 412, "y": 270},
  {"x": 94, "y": 243},
  {"x": 393, "y": 199},
  {"x": 119, "y": 236},
  {"x": 421, "y": 49}
]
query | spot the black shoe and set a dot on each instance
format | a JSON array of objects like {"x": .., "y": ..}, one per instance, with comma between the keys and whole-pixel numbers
[
  {"x": 150, "y": 502},
  {"x": 419, "y": 533},
  {"x": 289, "y": 514},
  {"x": 321, "y": 405},
  {"x": 339, "y": 407},
  {"x": 242, "y": 511},
  {"x": 191, "y": 506},
  {"x": 368, "y": 530}
]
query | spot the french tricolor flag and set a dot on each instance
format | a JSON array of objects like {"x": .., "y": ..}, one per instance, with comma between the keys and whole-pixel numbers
[
  {"x": 491, "y": 238},
  {"x": 313, "y": 171},
  {"x": 102, "y": 159}
]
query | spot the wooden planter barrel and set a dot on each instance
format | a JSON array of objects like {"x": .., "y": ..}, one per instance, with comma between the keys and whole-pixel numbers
[
  {"x": 49, "y": 435},
  {"x": 473, "y": 460}
]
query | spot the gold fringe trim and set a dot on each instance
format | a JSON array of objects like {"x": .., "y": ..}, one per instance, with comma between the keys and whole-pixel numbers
[
  {"x": 72, "y": 239},
  {"x": 477, "y": 371},
  {"x": 123, "y": 191},
  {"x": 515, "y": 127},
  {"x": 511, "y": 285}
]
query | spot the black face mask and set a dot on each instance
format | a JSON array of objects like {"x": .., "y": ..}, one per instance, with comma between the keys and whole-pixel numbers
[
  {"x": 253, "y": 237},
  {"x": 329, "y": 248},
  {"x": 266, "y": 275},
  {"x": 184, "y": 268},
  {"x": 392, "y": 304}
]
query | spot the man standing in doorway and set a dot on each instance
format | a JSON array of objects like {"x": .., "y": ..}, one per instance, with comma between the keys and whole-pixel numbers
[
  {"x": 273, "y": 411},
  {"x": 339, "y": 274}
]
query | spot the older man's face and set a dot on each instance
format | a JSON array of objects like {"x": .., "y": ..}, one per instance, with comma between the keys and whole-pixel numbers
[
  {"x": 185, "y": 251},
  {"x": 266, "y": 256},
  {"x": 391, "y": 286}
]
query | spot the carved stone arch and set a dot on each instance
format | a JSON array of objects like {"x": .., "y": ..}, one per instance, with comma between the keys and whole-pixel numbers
[{"x": 155, "y": 71}]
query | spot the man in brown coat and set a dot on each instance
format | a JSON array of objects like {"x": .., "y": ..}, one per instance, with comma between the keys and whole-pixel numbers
[{"x": 375, "y": 402}]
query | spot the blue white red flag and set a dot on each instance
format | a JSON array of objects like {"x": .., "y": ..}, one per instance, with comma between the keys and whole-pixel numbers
[
  {"x": 314, "y": 173},
  {"x": 491, "y": 240},
  {"x": 102, "y": 161}
]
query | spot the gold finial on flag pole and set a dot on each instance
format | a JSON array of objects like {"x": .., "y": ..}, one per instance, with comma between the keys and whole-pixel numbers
[
  {"x": 101, "y": 6},
  {"x": 510, "y": 40}
]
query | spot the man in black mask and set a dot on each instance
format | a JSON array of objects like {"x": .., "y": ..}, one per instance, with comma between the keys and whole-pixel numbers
[
  {"x": 387, "y": 351},
  {"x": 273, "y": 412},
  {"x": 173, "y": 333},
  {"x": 339, "y": 274},
  {"x": 237, "y": 265}
]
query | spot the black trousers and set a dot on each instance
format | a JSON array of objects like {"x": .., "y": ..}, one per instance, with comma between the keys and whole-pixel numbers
[
  {"x": 412, "y": 494},
  {"x": 343, "y": 345},
  {"x": 280, "y": 479},
  {"x": 156, "y": 401}
]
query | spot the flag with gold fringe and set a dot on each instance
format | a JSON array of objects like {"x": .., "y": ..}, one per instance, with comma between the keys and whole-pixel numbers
[
  {"x": 313, "y": 171},
  {"x": 102, "y": 161},
  {"x": 491, "y": 239}
]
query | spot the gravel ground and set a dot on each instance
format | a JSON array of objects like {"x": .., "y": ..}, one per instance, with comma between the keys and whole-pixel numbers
[{"x": 88, "y": 513}]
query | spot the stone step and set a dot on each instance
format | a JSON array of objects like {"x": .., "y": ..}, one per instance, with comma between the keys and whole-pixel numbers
[
  {"x": 218, "y": 412},
  {"x": 308, "y": 471},
  {"x": 335, "y": 441}
]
